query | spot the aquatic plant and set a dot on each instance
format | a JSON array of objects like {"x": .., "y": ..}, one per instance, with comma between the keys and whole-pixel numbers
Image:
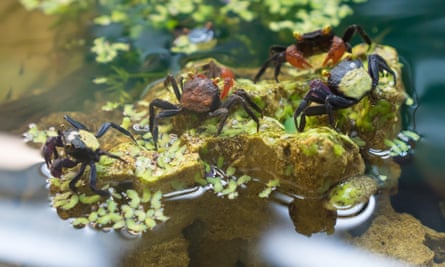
[
  {"x": 35, "y": 135},
  {"x": 125, "y": 210}
]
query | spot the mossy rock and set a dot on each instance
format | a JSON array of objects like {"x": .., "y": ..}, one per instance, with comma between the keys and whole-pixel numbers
[
  {"x": 172, "y": 168},
  {"x": 307, "y": 163}
]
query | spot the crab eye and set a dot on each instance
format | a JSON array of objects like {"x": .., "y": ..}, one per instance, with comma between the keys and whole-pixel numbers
[
  {"x": 298, "y": 36},
  {"x": 325, "y": 73},
  {"x": 326, "y": 30}
]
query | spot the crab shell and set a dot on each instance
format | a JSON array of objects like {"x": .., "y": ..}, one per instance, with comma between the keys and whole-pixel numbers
[
  {"x": 350, "y": 79},
  {"x": 81, "y": 144}
]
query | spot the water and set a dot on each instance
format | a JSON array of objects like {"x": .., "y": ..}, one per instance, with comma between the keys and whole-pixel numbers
[{"x": 32, "y": 234}]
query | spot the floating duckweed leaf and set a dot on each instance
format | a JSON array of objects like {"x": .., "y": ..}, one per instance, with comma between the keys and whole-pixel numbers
[
  {"x": 102, "y": 211},
  {"x": 71, "y": 203},
  {"x": 140, "y": 215},
  {"x": 230, "y": 171},
  {"x": 232, "y": 195},
  {"x": 159, "y": 215},
  {"x": 410, "y": 134},
  {"x": 128, "y": 211},
  {"x": 89, "y": 199},
  {"x": 220, "y": 162},
  {"x": 150, "y": 222},
  {"x": 58, "y": 203},
  {"x": 146, "y": 196},
  {"x": 132, "y": 194},
  {"x": 119, "y": 225},
  {"x": 38, "y": 136},
  {"x": 216, "y": 183},
  {"x": 55, "y": 182},
  {"x": 265, "y": 193},
  {"x": 134, "y": 203},
  {"x": 104, "y": 220},
  {"x": 80, "y": 222},
  {"x": 111, "y": 205},
  {"x": 243, "y": 179},
  {"x": 200, "y": 180},
  {"x": 63, "y": 196},
  {"x": 135, "y": 227},
  {"x": 115, "y": 217},
  {"x": 271, "y": 185},
  {"x": 156, "y": 200},
  {"x": 230, "y": 188},
  {"x": 133, "y": 114},
  {"x": 109, "y": 106},
  {"x": 93, "y": 216},
  {"x": 150, "y": 213},
  {"x": 116, "y": 195},
  {"x": 126, "y": 123}
]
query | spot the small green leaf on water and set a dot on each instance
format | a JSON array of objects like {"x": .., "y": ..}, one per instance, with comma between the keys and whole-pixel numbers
[
  {"x": 230, "y": 188},
  {"x": 230, "y": 171},
  {"x": 265, "y": 193},
  {"x": 102, "y": 211},
  {"x": 140, "y": 215},
  {"x": 104, "y": 220},
  {"x": 146, "y": 196},
  {"x": 115, "y": 217},
  {"x": 80, "y": 222},
  {"x": 156, "y": 200},
  {"x": 119, "y": 225},
  {"x": 243, "y": 179},
  {"x": 71, "y": 203},
  {"x": 413, "y": 135},
  {"x": 220, "y": 162},
  {"x": 93, "y": 216},
  {"x": 150, "y": 222},
  {"x": 89, "y": 199},
  {"x": 135, "y": 227},
  {"x": 111, "y": 205}
]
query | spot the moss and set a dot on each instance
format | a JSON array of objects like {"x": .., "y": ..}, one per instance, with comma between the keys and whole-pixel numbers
[{"x": 352, "y": 191}]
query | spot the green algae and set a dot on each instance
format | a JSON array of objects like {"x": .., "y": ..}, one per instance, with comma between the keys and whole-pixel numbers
[{"x": 352, "y": 191}]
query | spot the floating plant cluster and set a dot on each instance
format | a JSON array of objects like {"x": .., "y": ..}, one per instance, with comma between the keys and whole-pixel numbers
[{"x": 125, "y": 210}]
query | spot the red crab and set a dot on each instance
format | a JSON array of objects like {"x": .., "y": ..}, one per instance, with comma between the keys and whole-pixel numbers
[{"x": 312, "y": 43}]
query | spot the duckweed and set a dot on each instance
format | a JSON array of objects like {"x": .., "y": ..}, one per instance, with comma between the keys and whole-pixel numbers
[
  {"x": 123, "y": 211},
  {"x": 35, "y": 135},
  {"x": 271, "y": 185}
]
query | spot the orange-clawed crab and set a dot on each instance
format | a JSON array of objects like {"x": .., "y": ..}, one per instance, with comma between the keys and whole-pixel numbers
[
  {"x": 312, "y": 43},
  {"x": 200, "y": 93}
]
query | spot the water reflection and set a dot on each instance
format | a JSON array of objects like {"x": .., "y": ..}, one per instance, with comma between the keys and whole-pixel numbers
[
  {"x": 32, "y": 234},
  {"x": 282, "y": 247}
]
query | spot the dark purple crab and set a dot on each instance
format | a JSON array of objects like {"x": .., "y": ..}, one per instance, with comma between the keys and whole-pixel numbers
[
  {"x": 347, "y": 84},
  {"x": 81, "y": 147}
]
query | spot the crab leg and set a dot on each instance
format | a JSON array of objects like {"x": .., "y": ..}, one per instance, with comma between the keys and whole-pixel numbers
[{"x": 106, "y": 126}]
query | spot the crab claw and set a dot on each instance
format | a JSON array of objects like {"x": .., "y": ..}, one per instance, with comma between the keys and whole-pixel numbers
[
  {"x": 296, "y": 58},
  {"x": 49, "y": 149},
  {"x": 336, "y": 51},
  {"x": 228, "y": 84}
]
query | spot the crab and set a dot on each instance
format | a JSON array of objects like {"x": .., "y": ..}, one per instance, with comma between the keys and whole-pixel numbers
[
  {"x": 200, "y": 94},
  {"x": 312, "y": 43},
  {"x": 81, "y": 147},
  {"x": 347, "y": 84}
]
